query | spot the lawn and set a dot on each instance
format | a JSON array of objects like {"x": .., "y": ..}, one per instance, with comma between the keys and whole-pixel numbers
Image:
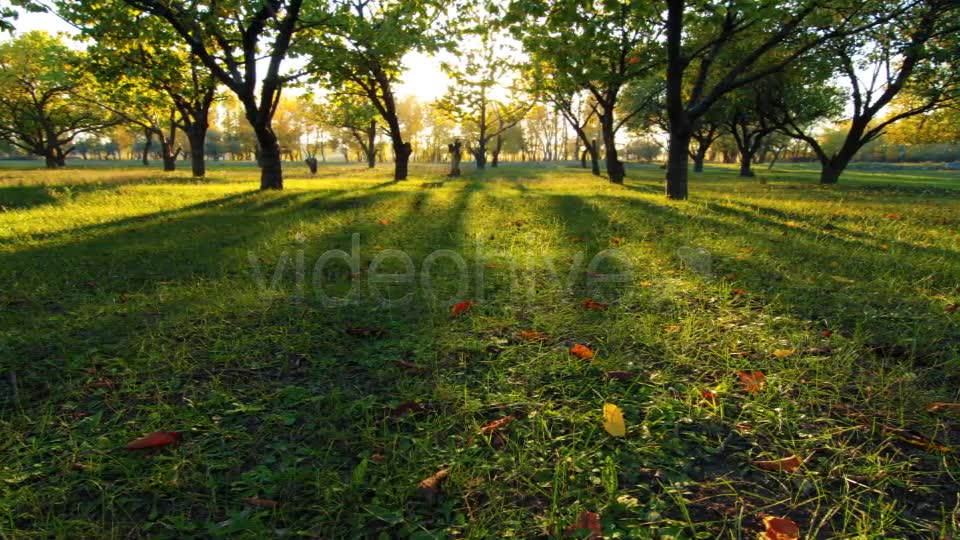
[{"x": 313, "y": 398}]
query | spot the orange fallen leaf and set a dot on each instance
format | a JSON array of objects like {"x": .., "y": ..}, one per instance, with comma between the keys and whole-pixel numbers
[
  {"x": 533, "y": 335},
  {"x": 460, "y": 308},
  {"x": 154, "y": 440},
  {"x": 752, "y": 382},
  {"x": 581, "y": 351},
  {"x": 593, "y": 304},
  {"x": 646, "y": 283},
  {"x": 709, "y": 395},
  {"x": 489, "y": 428},
  {"x": 576, "y": 239},
  {"x": 826, "y": 333},
  {"x": 378, "y": 246},
  {"x": 263, "y": 503},
  {"x": 618, "y": 375},
  {"x": 778, "y": 528},
  {"x": 894, "y": 216},
  {"x": 383, "y": 221},
  {"x": 787, "y": 464},
  {"x": 738, "y": 292},
  {"x": 673, "y": 328},
  {"x": 940, "y": 406},
  {"x": 746, "y": 250},
  {"x": 429, "y": 488},
  {"x": 784, "y": 353},
  {"x": 377, "y": 458},
  {"x": 586, "y": 522}
]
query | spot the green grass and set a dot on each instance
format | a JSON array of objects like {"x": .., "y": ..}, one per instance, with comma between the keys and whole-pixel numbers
[{"x": 129, "y": 306}]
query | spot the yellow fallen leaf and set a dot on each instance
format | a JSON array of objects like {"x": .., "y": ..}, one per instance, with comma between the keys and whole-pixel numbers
[
  {"x": 842, "y": 279},
  {"x": 613, "y": 420},
  {"x": 783, "y": 353}
]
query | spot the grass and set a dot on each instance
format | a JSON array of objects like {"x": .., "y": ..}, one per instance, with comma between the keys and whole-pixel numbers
[{"x": 129, "y": 305}]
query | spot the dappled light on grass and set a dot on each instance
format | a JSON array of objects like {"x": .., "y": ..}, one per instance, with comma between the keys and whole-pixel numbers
[{"x": 482, "y": 420}]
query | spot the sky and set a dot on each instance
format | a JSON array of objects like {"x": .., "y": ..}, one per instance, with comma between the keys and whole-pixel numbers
[{"x": 422, "y": 77}]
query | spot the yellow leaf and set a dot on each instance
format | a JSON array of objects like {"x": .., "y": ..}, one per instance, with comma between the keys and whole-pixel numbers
[
  {"x": 783, "y": 353},
  {"x": 613, "y": 420}
]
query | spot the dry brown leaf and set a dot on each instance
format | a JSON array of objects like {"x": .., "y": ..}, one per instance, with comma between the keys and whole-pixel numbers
[
  {"x": 587, "y": 522},
  {"x": 672, "y": 329},
  {"x": 489, "y": 428},
  {"x": 533, "y": 335},
  {"x": 777, "y": 528},
  {"x": 940, "y": 406},
  {"x": 619, "y": 375},
  {"x": 429, "y": 488},
  {"x": 787, "y": 464},
  {"x": 752, "y": 382}
]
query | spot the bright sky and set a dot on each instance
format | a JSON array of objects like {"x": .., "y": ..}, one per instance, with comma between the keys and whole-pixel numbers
[{"x": 422, "y": 78}]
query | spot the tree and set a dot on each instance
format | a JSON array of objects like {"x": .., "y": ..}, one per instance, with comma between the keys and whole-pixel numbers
[
  {"x": 231, "y": 39},
  {"x": 364, "y": 45},
  {"x": 482, "y": 79},
  {"x": 914, "y": 53},
  {"x": 354, "y": 113},
  {"x": 715, "y": 48},
  {"x": 41, "y": 110},
  {"x": 598, "y": 46},
  {"x": 8, "y": 12}
]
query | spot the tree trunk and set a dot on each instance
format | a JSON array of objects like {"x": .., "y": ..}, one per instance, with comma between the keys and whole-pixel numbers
[
  {"x": 677, "y": 161},
  {"x": 830, "y": 173},
  {"x": 196, "y": 136},
  {"x": 372, "y": 145},
  {"x": 147, "y": 143},
  {"x": 496, "y": 151},
  {"x": 698, "y": 162},
  {"x": 454, "y": 149},
  {"x": 583, "y": 158},
  {"x": 401, "y": 165},
  {"x": 480, "y": 156},
  {"x": 594, "y": 157},
  {"x": 746, "y": 162},
  {"x": 50, "y": 158},
  {"x": 271, "y": 167},
  {"x": 169, "y": 156},
  {"x": 615, "y": 169}
]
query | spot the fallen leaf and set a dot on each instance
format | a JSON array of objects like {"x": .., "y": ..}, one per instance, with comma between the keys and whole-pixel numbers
[
  {"x": 576, "y": 239},
  {"x": 746, "y": 250},
  {"x": 103, "y": 382},
  {"x": 405, "y": 408},
  {"x": 364, "y": 331},
  {"x": 613, "y": 420},
  {"x": 616, "y": 240},
  {"x": 518, "y": 223},
  {"x": 618, "y": 375},
  {"x": 533, "y": 335},
  {"x": 952, "y": 308},
  {"x": 731, "y": 277},
  {"x": 841, "y": 279},
  {"x": 884, "y": 246},
  {"x": 941, "y": 406},
  {"x": 154, "y": 440},
  {"x": 263, "y": 503},
  {"x": 383, "y": 221},
  {"x": 787, "y": 464},
  {"x": 894, "y": 216},
  {"x": 581, "y": 351},
  {"x": 784, "y": 353},
  {"x": 429, "y": 488},
  {"x": 738, "y": 292},
  {"x": 752, "y": 382},
  {"x": 826, "y": 333},
  {"x": 646, "y": 283},
  {"x": 378, "y": 246},
  {"x": 916, "y": 439},
  {"x": 673, "y": 328},
  {"x": 592, "y": 304},
  {"x": 489, "y": 428},
  {"x": 778, "y": 528},
  {"x": 409, "y": 366},
  {"x": 709, "y": 395},
  {"x": 586, "y": 522},
  {"x": 792, "y": 224},
  {"x": 460, "y": 308},
  {"x": 377, "y": 458}
]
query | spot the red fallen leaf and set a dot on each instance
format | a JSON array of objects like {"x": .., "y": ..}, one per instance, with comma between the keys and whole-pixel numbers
[
  {"x": 778, "y": 528},
  {"x": 939, "y": 406},
  {"x": 405, "y": 408},
  {"x": 826, "y": 333},
  {"x": 489, "y": 428},
  {"x": 709, "y": 395},
  {"x": 429, "y": 488},
  {"x": 460, "y": 308},
  {"x": 262, "y": 503},
  {"x": 586, "y": 521},
  {"x": 533, "y": 335},
  {"x": 409, "y": 366},
  {"x": 752, "y": 382},
  {"x": 377, "y": 458},
  {"x": 894, "y": 216},
  {"x": 593, "y": 304},
  {"x": 952, "y": 308},
  {"x": 738, "y": 292},
  {"x": 618, "y": 375},
  {"x": 383, "y": 221},
  {"x": 581, "y": 351},
  {"x": 154, "y": 440},
  {"x": 576, "y": 239},
  {"x": 787, "y": 464}
]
